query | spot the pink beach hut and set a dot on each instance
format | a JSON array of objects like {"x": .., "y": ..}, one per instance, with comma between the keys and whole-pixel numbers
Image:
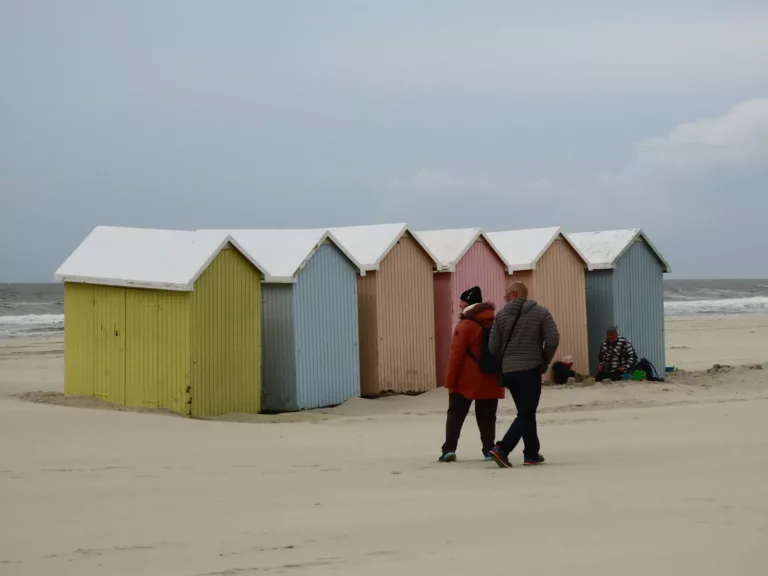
[{"x": 466, "y": 258}]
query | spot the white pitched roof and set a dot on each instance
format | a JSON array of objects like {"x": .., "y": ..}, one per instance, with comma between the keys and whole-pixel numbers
[
  {"x": 450, "y": 246},
  {"x": 370, "y": 244},
  {"x": 522, "y": 249},
  {"x": 143, "y": 258},
  {"x": 282, "y": 253},
  {"x": 603, "y": 249}
]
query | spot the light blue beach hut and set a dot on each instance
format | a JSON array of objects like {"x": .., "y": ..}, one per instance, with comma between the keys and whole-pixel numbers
[
  {"x": 310, "y": 351},
  {"x": 624, "y": 289}
]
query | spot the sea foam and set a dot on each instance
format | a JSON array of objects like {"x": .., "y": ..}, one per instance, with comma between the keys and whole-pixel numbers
[{"x": 751, "y": 305}]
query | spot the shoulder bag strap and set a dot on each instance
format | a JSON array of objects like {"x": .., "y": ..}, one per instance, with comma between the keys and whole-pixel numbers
[{"x": 512, "y": 331}]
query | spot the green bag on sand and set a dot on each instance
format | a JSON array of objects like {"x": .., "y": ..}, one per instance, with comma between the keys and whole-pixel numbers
[{"x": 638, "y": 375}]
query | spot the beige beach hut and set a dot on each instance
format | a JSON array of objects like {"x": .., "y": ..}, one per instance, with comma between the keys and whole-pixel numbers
[
  {"x": 395, "y": 308},
  {"x": 163, "y": 319},
  {"x": 554, "y": 271}
]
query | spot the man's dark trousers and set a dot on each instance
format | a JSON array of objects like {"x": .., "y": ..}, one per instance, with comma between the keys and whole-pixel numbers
[
  {"x": 525, "y": 388},
  {"x": 615, "y": 376}
]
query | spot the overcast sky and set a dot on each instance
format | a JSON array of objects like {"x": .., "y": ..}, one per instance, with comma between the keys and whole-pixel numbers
[{"x": 498, "y": 114}]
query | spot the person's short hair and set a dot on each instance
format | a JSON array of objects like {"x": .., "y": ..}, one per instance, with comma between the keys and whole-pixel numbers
[{"x": 612, "y": 330}]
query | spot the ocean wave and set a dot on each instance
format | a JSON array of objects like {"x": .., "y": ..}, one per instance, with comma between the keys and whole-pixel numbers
[
  {"x": 693, "y": 290},
  {"x": 751, "y": 305},
  {"x": 30, "y": 324}
]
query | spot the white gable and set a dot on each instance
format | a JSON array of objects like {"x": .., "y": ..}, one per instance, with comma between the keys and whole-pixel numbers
[
  {"x": 521, "y": 249},
  {"x": 450, "y": 246},
  {"x": 282, "y": 253},
  {"x": 602, "y": 249},
  {"x": 369, "y": 245},
  {"x": 143, "y": 258}
]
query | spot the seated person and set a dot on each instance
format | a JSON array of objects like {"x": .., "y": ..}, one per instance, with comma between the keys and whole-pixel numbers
[
  {"x": 617, "y": 357},
  {"x": 562, "y": 370}
]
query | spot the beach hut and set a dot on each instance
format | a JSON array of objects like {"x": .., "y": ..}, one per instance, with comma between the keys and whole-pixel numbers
[
  {"x": 311, "y": 356},
  {"x": 553, "y": 269},
  {"x": 395, "y": 308},
  {"x": 625, "y": 289},
  {"x": 163, "y": 319},
  {"x": 466, "y": 258}
]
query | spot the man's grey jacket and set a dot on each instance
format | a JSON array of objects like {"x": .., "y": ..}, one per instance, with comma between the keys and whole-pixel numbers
[{"x": 535, "y": 339}]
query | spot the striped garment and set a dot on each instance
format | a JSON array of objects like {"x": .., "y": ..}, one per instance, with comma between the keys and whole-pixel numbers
[
  {"x": 617, "y": 355},
  {"x": 534, "y": 341}
]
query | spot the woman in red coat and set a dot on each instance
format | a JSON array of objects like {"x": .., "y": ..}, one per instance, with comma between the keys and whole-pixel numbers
[{"x": 465, "y": 381}]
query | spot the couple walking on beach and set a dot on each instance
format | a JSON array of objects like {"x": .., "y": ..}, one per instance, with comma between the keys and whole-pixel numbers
[{"x": 493, "y": 352}]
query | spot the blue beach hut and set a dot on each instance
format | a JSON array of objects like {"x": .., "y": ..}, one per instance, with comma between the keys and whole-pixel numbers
[
  {"x": 310, "y": 349},
  {"x": 624, "y": 289}
]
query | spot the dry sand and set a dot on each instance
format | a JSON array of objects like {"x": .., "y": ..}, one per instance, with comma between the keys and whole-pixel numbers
[
  {"x": 668, "y": 478},
  {"x": 697, "y": 343}
]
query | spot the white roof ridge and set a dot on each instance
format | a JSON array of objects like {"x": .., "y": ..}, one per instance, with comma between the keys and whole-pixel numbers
[
  {"x": 514, "y": 255},
  {"x": 447, "y": 255},
  {"x": 371, "y": 255},
  {"x": 630, "y": 235},
  {"x": 347, "y": 253},
  {"x": 284, "y": 268},
  {"x": 135, "y": 258}
]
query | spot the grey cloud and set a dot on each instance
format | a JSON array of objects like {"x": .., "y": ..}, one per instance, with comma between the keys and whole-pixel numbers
[
  {"x": 740, "y": 137},
  {"x": 186, "y": 115}
]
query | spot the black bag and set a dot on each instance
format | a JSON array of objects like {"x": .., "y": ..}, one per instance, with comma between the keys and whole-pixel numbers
[
  {"x": 650, "y": 370},
  {"x": 487, "y": 362}
]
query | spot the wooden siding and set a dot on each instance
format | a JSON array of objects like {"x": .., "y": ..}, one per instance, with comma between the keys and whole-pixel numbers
[
  {"x": 127, "y": 346},
  {"x": 109, "y": 349},
  {"x": 444, "y": 322},
  {"x": 226, "y": 338},
  {"x": 639, "y": 302},
  {"x": 157, "y": 349},
  {"x": 406, "y": 320},
  {"x": 479, "y": 267},
  {"x": 600, "y": 311},
  {"x": 527, "y": 278},
  {"x": 279, "y": 348},
  {"x": 79, "y": 339},
  {"x": 326, "y": 328},
  {"x": 559, "y": 280},
  {"x": 368, "y": 333}
]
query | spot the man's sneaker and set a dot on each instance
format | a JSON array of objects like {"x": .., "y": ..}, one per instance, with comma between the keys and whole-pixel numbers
[
  {"x": 497, "y": 455},
  {"x": 447, "y": 457},
  {"x": 488, "y": 458},
  {"x": 534, "y": 460}
]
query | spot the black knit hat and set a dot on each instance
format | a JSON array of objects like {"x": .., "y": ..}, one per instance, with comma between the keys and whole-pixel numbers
[{"x": 472, "y": 296}]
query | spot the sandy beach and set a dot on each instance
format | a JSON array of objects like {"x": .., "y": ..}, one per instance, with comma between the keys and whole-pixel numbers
[{"x": 662, "y": 478}]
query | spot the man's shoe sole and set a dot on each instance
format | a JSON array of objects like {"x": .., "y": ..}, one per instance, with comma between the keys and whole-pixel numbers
[{"x": 499, "y": 462}]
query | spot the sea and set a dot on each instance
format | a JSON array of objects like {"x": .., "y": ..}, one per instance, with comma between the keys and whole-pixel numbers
[{"x": 36, "y": 310}]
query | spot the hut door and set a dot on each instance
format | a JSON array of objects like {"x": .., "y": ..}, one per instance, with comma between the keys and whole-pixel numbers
[{"x": 109, "y": 353}]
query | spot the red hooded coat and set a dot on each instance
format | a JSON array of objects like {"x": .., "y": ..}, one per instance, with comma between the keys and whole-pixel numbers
[{"x": 464, "y": 375}]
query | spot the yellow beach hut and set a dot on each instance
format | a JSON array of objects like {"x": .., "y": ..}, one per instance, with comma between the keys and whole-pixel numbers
[{"x": 163, "y": 319}]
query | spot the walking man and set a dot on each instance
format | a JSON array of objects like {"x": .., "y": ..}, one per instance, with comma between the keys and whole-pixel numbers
[
  {"x": 466, "y": 381},
  {"x": 525, "y": 338}
]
